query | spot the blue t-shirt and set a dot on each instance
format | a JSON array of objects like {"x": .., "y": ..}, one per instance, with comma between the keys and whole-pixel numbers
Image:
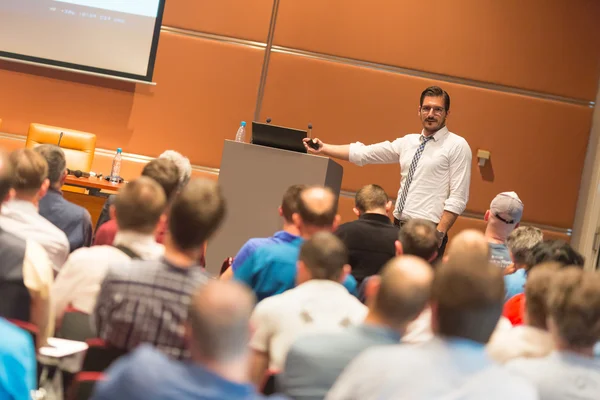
[
  {"x": 271, "y": 270},
  {"x": 148, "y": 374},
  {"x": 251, "y": 245},
  {"x": 514, "y": 283},
  {"x": 17, "y": 362}
]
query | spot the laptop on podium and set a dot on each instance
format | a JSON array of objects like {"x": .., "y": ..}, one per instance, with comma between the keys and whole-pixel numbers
[{"x": 278, "y": 137}]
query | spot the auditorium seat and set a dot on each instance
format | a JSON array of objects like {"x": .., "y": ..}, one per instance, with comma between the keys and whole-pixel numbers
[
  {"x": 76, "y": 325},
  {"x": 79, "y": 147},
  {"x": 83, "y": 385},
  {"x": 99, "y": 355}
]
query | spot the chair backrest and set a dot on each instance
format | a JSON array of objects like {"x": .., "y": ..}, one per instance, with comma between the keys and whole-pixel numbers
[
  {"x": 76, "y": 325},
  {"x": 99, "y": 355},
  {"x": 269, "y": 385},
  {"x": 226, "y": 265},
  {"x": 83, "y": 385},
  {"x": 79, "y": 147},
  {"x": 32, "y": 329}
]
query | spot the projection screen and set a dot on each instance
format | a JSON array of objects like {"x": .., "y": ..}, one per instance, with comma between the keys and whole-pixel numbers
[{"x": 112, "y": 37}]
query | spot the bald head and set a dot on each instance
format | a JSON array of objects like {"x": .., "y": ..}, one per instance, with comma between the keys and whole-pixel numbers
[
  {"x": 317, "y": 207},
  {"x": 219, "y": 318},
  {"x": 469, "y": 246},
  {"x": 404, "y": 290},
  {"x": 6, "y": 176}
]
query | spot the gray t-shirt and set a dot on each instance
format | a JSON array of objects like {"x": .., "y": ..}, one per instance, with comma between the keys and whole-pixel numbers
[
  {"x": 561, "y": 375},
  {"x": 500, "y": 255}
]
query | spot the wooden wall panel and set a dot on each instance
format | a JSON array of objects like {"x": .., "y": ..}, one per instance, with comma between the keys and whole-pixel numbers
[
  {"x": 538, "y": 44},
  {"x": 234, "y": 18},
  {"x": 194, "y": 107},
  {"x": 537, "y": 146}
]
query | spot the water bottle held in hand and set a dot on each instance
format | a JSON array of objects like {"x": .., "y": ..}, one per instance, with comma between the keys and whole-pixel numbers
[{"x": 240, "y": 136}]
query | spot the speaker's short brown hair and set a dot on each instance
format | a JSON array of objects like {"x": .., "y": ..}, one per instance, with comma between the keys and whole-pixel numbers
[
  {"x": 139, "y": 205},
  {"x": 30, "y": 169},
  {"x": 165, "y": 172},
  {"x": 196, "y": 213},
  {"x": 324, "y": 255},
  {"x": 574, "y": 306},
  {"x": 418, "y": 238},
  {"x": 289, "y": 202},
  {"x": 469, "y": 299},
  {"x": 370, "y": 197}
]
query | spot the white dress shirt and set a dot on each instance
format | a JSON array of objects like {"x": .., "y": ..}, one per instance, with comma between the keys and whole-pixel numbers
[
  {"x": 22, "y": 219},
  {"x": 441, "y": 180},
  {"x": 79, "y": 281},
  {"x": 312, "y": 307}
]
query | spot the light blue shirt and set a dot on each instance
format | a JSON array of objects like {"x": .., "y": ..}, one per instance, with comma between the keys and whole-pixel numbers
[
  {"x": 314, "y": 362},
  {"x": 251, "y": 245},
  {"x": 514, "y": 283},
  {"x": 271, "y": 270},
  {"x": 561, "y": 375},
  {"x": 456, "y": 369},
  {"x": 17, "y": 363}
]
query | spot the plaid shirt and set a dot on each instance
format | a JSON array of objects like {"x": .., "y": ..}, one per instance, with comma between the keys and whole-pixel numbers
[{"x": 147, "y": 302}]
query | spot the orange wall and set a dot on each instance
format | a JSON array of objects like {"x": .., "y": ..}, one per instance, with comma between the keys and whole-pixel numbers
[{"x": 521, "y": 76}]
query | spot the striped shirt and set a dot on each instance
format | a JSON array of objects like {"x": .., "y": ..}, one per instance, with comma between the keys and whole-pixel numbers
[{"x": 147, "y": 302}]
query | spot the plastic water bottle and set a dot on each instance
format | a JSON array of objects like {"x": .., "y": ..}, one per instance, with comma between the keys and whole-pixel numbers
[
  {"x": 240, "y": 136},
  {"x": 116, "y": 167}
]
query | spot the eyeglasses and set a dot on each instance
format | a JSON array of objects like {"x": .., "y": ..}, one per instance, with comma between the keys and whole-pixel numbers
[{"x": 436, "y": 110}]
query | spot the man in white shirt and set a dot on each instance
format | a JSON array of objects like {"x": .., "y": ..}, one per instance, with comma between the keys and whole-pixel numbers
[
  {"x": 26, "y": 272},
  {"x": 137, "y": 208},
  {"x": 20, "y": 215},
  {"x": 435, "y": 166},
  {"x": 467, "y": 300},
  {"x": 318, "y": 304},
  {"x": 572, "y": 371},
  {"x": 532, "y": 339}
]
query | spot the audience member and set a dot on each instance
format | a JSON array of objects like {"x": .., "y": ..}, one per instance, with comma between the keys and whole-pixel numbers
[
  {"x": 531, "y": 339},
  {"x": 502, "y": 218},
  {"x": 416, "y": 237},
  {"x": 271, "y": 269},
  {"x": 467, "y": 301},
  {"x": 138, "y": 208},
  {"x": 164, "y": 172},
  {"x": 318, "y": 304},
  {"x": 571, "y": 372},
  {"x": 370, "y": 239},
  {"x": 315, "y": 361},
  {"x": 289, "y": 233},
  {"x": 17, "y": 363},
  {"x": 20, "y": 215},
  {"x": 552, "y": 250},
  {"x": 218, "y": 329},
  {"x": 519, "y": 243},
  {"x": 468, "y": 247},
  {"x": 75, "y": 221},
  {"x": 26, "y": 272},
  {"x": 147, "y": 301}
]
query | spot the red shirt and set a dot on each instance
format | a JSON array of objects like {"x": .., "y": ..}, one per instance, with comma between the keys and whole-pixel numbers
[
  {"x": 105, "y": 235},
  {"x": 514, "y": 309}
]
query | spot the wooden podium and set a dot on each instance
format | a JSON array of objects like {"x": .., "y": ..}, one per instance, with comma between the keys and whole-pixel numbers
[{"x": 253, "y": 179}]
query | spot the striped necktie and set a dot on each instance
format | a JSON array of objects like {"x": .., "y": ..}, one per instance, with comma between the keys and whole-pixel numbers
[{"x": 411, "y": 172}]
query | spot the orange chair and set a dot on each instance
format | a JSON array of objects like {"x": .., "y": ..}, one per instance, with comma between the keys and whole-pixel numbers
[{"x": 79, "y": 147}]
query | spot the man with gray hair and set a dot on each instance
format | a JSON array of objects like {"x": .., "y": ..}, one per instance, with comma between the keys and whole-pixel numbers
[
  {"x": 519, "y": 243},
  {"x": 182, "y": 163},
  {"x": 502, "y": 218},
  {"x": 75, "y": 221},
  {"x": 218, "y": 330}
]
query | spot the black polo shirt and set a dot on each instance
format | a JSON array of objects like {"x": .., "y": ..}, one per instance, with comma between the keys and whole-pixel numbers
[{"x": 370, "y": 242}]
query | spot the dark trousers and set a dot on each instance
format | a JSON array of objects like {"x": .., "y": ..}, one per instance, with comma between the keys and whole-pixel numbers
[{"x": 442, "y": 248}]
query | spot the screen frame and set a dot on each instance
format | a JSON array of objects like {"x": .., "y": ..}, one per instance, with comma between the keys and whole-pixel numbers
[{"x": 46, "y": 62}]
